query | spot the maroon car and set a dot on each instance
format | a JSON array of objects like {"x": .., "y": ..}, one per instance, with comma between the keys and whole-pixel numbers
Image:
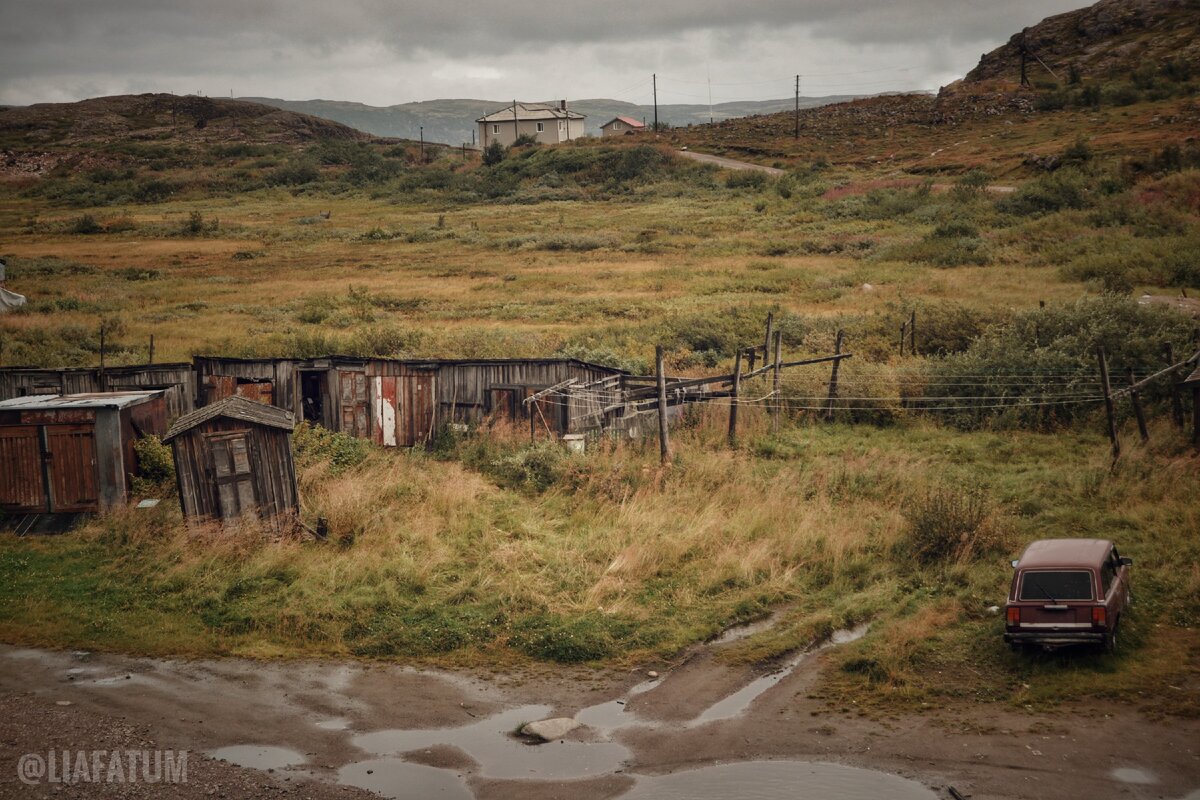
[{"x": 1065, "y": 592}]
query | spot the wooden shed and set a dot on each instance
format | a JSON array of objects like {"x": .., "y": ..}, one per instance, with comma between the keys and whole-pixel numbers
[
  {"x": 401, "y": 402},
  {"x": 233, "y": 459},
  {"x": 73, "y": 453},
  {"x": 176, "y": 381}
]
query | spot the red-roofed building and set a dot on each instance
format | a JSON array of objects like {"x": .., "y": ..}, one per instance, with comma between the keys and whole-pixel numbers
[{"x": 621, "y": 126}]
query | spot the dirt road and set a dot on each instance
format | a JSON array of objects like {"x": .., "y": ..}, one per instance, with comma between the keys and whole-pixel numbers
[
  {"x": 727, "y": 163},
  {"x": 334, "y": 729}
]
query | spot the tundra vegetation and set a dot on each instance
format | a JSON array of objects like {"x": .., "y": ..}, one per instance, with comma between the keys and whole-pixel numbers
[{"x": 494, "y": 550}]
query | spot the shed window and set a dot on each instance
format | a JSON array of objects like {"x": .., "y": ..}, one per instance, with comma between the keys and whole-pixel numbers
[
  {"x": 1057, "y": 586},
  {"x": 541, "y": 127},
  {"x": 495, "y": 129},
  {"x": 562, "y": 126}
]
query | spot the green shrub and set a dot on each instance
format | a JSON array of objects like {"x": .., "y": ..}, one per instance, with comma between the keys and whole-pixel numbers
[
  {"x": 571, "y": 640},
  {"x": 314, "y": 444},
  {"x": 85, "y": 224},
  {"x": 155, "y": 466},
  {"x": 950, "y": 524},
  {"x": 534, "y": 468}
]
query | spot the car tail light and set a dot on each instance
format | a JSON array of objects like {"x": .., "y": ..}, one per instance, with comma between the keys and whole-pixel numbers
[
  {"x": 1099, "y": 615},
  {"x": 1014, "y": 615}
]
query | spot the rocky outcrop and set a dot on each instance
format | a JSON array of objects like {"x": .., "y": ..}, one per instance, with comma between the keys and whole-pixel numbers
[{"x": 1102, "y": 40}]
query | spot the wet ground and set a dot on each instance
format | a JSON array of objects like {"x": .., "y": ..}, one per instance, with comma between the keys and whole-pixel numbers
[{"x": 701, "y": 730}]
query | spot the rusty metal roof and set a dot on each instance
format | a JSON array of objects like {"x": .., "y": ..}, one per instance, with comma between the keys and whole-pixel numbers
[
  {"x": 234, "y": 407},
  {"x": 1080, "y": 553},
  {"x": 50, "y": 402}
]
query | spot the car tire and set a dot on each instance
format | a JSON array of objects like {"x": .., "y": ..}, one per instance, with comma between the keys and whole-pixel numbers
[{"x": 1110, "y": 642}]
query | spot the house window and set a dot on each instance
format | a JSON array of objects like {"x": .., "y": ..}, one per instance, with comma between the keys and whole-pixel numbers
[
  {"x": 562, "y": 126},
  {"x": 495, "y": 129},
  {"x": 541, "y": 127}
]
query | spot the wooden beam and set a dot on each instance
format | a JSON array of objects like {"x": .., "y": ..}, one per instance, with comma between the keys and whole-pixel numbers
[
  {"x": 776, "y": 402},
  {"x": 664, "y": 447},
  {"x": 1108, "y": 403},
  {"x": 833, "y": 375},
  {"x": 1136, "y": 398},
  {"x": 733, "y": 404}
]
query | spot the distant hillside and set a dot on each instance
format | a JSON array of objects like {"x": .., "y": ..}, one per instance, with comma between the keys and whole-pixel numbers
[
  {"x": 1108, "y": 38},
  {"x": 452, "y": 121},
  {"x": 150, "y": 117}
]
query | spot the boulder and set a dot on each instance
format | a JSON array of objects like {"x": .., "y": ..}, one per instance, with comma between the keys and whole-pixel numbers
[{"x": 549, "y": 730}]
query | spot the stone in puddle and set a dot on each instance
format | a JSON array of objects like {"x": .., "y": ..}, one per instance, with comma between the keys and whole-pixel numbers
[{"x": 548, "y": 730}]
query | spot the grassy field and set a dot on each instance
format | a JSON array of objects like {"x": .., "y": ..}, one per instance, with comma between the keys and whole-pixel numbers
[{"x": 491, "y": 551}]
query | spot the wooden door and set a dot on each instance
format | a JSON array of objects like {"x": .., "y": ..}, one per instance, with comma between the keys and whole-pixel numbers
[
  {"x": 414, "y": 418},
  {"x": 229, "y": 460},
  {"x": 355, "y": 419},
  {"x": 22, "y": 484},
  {"x": 218, "y": 387},
  {"x": 71, "y": 455}
]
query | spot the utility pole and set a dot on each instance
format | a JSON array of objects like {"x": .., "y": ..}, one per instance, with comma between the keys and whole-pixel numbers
[
  {"x": 1024, "y": 60},
  {"x": 422, "y": 144},
  {"x": 654, "y": 82},
  {"x": 797, "y": 106},
  {"x": 516, "y": 123}
]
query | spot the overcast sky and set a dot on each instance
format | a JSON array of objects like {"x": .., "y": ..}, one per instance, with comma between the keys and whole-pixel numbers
[{"x": 381, "y": 53}]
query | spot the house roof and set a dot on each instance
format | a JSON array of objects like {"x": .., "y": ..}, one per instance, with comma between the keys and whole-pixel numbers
[
  {"x": 1193, "y": 379},
  {"x": 530, "y": 111},
  {"x": 1065, "y": 553},
  {"x": 630, "y": 121},
  {"x": 50, "y": 402},
  {"x": 237, "y": 408}
]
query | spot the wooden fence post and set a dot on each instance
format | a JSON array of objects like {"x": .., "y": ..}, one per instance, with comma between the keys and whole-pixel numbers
[
  {"x": 777, "y": 402},
  {"x": 1176, "y": 395},
  {"x": 1108, "y": 403},
  {"x": 833, "y": 375},
  {"x": 733, "y": 401},
  {"x": 1196, "y": 416},
  {"x": 664, "y": 446},
  {"x": 769, "y": 338},
  {"x": 912, "y": 334},
  {"x": 151, "y": 358},
  {"x": 101, "y": 375},
  {"x": 1135, "y": 397},
  {"x": 903, "y": 332},
  {"x": 752, "y": 354}
]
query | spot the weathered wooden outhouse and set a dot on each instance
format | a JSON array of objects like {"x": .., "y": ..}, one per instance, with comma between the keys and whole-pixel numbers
[
  {"x": 233, "y": 459},
  {"x": 73, "y": 453}
]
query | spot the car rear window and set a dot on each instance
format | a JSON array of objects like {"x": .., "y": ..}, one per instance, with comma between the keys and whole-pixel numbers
[{"x": 1056, "y": 586}]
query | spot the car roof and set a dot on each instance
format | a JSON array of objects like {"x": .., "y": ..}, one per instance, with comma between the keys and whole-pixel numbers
[{"x": 1066, "y": 553}]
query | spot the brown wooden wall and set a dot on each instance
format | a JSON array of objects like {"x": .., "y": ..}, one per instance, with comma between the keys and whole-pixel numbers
[
  {"x": 176, "y": 380},
  {"x": 399, "y": 402},
  {"x": 270, "y": 462}
]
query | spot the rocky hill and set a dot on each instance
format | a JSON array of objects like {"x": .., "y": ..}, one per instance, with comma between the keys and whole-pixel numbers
[
  {"x": 152, "y": 117},
  {"x": 1110, "y": 38}
]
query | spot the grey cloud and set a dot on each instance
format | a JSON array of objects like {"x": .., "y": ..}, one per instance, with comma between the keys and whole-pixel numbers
[{"x": 148, "y": 40}]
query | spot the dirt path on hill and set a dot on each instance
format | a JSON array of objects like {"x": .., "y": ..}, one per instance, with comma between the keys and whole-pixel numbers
[
  {"x": 727, "y": 163},
  {"x": 401, "y": 732}
]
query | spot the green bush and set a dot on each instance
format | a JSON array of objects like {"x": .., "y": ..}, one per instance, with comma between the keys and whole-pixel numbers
[
  {"x": 155, "y": 467},
  {"x": 314, "y": 444},
  {"x": 85, "y": 224},
  {"x": 571, "y": 640},
  {"x": 950, "y": 524}
]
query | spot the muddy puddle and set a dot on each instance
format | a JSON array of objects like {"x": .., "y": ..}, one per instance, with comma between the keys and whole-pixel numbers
[
  {"x": 393, "y": 778},
  {"x": 256, "y": 756},
  {"x": 737, "y": 703},
  {"x": 777, "y": 780},
  {"x": 500, "y": 753}
]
